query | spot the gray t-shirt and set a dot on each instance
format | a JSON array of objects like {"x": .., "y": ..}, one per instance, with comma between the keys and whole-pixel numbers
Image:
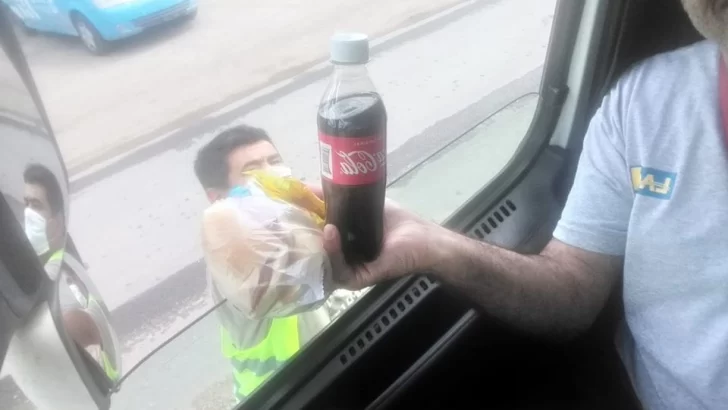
[{"x": 652, "y": 185}]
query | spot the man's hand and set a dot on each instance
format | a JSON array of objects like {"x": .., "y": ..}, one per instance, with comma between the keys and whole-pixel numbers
[
  {"x": 405, "y": 249},
  {"x": 559, "y": 291},
  {"x": 81, "y": 327}
]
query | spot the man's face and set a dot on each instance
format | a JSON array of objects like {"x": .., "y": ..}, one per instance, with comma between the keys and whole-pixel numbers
[
  {"x": 710, "y": 18},
  {"x": 259, "y": 155},
  {"x": 37, "y": 200}
]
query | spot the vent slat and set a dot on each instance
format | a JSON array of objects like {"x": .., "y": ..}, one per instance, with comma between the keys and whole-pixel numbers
[
  {"x": 403, "y": 305},
  {"x": 494, "y": 220}
]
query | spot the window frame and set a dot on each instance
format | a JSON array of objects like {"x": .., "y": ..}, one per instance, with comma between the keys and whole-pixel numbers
[{"x": 298, "y": 375}]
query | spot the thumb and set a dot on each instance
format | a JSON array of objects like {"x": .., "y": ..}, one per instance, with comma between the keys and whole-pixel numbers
[{"x": 332, "y": 240}]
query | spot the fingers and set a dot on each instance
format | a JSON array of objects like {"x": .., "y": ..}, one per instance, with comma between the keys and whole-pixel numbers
[
  {"x": 81, "y": 327},
  {"x": 332, "y": 246},
  {"x": 344, "y": 275},
  {"x": 332, "y": 241}
]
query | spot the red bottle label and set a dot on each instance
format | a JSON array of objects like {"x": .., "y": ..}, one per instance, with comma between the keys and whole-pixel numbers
[{"x": 353, "y": 161}]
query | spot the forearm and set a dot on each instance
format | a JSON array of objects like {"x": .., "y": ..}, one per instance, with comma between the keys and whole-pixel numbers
[{"x": 546, "y": 293}]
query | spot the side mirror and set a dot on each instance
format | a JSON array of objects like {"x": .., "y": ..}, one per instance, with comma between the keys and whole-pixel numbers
[
  {"x": 87, "y": 322},
  {"x": 67, "y": 355},
  {"x": 57, "y": 344}
]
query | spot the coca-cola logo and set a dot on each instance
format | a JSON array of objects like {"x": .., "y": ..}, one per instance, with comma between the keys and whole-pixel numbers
[
  {"x": 361, "y": 162},
  {"x": 353, "y": 161}
]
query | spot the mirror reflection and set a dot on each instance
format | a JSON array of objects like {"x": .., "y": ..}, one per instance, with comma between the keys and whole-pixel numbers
[
  {"x": 44, "y": 220},
  {"x": 86, "y": 321},
  {"x": 41, "y": 369}
]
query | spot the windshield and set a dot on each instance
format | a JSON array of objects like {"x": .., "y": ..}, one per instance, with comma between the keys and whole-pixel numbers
[{"x": 135, "y": 91}]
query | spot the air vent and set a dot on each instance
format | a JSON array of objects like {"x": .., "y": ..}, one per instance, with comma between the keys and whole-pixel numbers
[
  {"x": 396, "y": 311},
  {"x": 495, "y": 219}
]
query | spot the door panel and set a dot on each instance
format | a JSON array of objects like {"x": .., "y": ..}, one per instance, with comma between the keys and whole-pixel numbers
[{"x": 51, "y": 16}]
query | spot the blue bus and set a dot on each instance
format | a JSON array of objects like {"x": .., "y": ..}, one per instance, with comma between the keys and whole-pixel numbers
[{"x": 98, "y": 22}]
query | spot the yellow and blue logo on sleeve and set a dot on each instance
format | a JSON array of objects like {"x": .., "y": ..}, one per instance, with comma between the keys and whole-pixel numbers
[{"x": 653, "y": 182}]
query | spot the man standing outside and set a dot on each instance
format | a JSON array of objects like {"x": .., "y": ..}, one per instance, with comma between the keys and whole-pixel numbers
[{"x": 255, "y": 348}]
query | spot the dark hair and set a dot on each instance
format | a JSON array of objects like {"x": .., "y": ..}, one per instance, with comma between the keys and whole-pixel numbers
[
  {"x": 211, "y": 164},
  {"x": 37, "y": 174}
]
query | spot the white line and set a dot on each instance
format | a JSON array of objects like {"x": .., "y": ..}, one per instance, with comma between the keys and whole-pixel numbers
[
  {"x": 270, "y": 89},
  {"x": 245, "y": 100},
  {"x": 25, "y": 120},
  {"x": 103, "y": 164},
  {"x": 420, "y": 23},
  {"x": 374, "y": 43}
]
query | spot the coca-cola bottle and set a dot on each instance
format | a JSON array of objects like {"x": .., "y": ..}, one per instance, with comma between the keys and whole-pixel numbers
[{"x": 352, "y": 126}]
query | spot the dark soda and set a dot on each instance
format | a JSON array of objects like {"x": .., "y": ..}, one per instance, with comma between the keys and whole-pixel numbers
[{"x": 353, "y": 144}]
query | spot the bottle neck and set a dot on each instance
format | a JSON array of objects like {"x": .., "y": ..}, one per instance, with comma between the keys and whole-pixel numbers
[
  {"x": 349, "y": 79},
  {"x": 350, "y": 71}
]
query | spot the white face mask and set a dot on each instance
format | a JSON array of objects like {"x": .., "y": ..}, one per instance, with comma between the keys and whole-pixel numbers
[
  {"x": 248, "y": 188},
  {"x": 280, "y": 171},
  {"x": 35, "y": 230}
]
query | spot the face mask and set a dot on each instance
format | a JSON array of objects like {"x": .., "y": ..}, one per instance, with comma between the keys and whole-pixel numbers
[
  {"x": 246, "y": 188},
  {"x": 280, "y": 171},
  {"x": 35, "y": 230}
]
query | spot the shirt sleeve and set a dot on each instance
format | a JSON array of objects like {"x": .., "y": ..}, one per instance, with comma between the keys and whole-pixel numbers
[{"x": 597, "y": 212}]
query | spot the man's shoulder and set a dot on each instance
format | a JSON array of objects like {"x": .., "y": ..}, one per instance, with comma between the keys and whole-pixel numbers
[
  {"x": 685, "y": 54},
  {"x": 677, "y": 67},
  {"x": 667, "y": 85}
]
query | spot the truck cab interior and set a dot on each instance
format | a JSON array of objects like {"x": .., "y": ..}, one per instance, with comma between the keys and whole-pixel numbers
[{"x": 417, "y": 344}]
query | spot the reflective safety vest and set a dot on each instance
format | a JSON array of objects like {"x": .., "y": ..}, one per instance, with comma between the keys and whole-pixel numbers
[
  {"x": 253, "y": 366},
  {"x": 56, "y": 256},
  {"x": 109, "y": 368}
]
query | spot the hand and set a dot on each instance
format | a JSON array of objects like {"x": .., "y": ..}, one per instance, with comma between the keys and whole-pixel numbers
[
  {"x": 407, "y": 247},
  {"x": 81, "y": 327}
]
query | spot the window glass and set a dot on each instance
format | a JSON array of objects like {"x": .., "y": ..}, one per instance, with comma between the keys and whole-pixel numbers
[
  {"x": 135, "y": 89},
  {"x": 458, "y": 170}
]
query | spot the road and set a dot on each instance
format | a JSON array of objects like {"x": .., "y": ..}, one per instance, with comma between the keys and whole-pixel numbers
[
  {"x": 233, "y": 47},
  {"x": 135, "y": 216}
]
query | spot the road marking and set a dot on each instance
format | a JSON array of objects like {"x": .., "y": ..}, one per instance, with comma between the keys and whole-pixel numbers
[
  {"x": 105, "y": 163},
  {"x": 266, "y": 91},
  {"x": 323, "y": 65}
]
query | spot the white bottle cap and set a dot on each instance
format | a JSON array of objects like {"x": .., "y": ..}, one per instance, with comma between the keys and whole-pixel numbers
[{"x": 349, "y": 48}]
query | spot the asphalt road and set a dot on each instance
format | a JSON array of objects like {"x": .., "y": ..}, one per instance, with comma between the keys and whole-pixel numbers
[
  {"x": 101, "y": 106},
  {"x": 135, "y": 216}
]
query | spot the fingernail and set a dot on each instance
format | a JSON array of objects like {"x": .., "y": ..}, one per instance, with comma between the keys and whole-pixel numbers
[{"x": 328, "y": 232}]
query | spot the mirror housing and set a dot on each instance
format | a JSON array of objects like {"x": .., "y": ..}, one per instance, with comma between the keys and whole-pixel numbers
[{"x": 86, "y": 322}]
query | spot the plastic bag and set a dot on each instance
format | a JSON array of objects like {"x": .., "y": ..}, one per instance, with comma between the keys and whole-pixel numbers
[{"x": 263, "y": 247}]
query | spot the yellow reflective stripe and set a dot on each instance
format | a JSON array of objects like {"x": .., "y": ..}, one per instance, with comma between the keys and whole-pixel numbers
[
  {"x": 281, "y": 343},
  {"x": 247, "y": 381},
  {"x": 56, "y": 256},
  {"x": 257, "y": 366},
  {"x": 108, "y": 367},
  {"x": 254, "y": 365}
]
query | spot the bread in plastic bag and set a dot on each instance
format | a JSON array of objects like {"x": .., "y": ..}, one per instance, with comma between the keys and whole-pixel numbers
[{"x": 263, "y": 246}]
